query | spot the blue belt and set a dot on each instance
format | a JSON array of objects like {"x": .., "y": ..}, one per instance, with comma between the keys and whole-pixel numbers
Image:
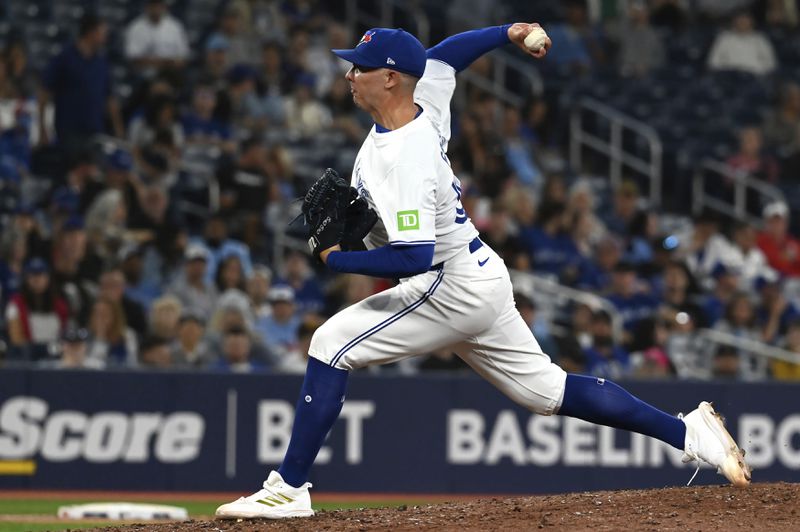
[{"x": 474, "y": 246}]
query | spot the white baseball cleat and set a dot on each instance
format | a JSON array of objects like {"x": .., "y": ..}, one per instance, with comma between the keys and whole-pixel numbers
[
  {"x": 708, "y": 440},
  {"x": 276, "y": 500}
]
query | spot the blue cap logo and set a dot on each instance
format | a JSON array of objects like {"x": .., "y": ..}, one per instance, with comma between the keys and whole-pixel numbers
[{"x": 366, "y": 38}]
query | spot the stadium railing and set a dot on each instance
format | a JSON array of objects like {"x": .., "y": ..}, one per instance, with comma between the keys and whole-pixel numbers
[
  {"x": 743, "y": 185},
  {"x": 614, "y": 145},
  {"x": 554, "y": 300},
  {"x": 720, "y": 338}
]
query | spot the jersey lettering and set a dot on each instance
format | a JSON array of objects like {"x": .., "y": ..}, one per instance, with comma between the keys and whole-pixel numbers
[{"x": 461, "y": 214}]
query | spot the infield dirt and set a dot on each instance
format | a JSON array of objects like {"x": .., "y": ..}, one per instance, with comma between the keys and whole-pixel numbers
[{"x": 772, "y": 507}]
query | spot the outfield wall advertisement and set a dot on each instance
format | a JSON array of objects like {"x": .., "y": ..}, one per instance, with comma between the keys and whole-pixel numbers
[{"x": 170, "y": 431}]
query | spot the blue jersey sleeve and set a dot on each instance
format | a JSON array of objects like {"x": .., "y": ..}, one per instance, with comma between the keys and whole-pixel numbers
[
  {"x": 460, "y": 50},
  {"x": 388, "y": 261}
]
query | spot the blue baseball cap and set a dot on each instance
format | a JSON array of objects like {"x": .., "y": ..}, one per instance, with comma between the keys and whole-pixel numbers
[
  {"x": 120, "y": 160},
  {"x": 35, "y": 266},
  {"x": 395, "y": 49}
]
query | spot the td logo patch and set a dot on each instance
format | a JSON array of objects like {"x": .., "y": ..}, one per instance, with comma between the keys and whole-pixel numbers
[{"x": 407, "y": 220}]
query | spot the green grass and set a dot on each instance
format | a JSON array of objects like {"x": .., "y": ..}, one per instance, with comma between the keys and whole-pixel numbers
[{"x": 195, "y": 509}]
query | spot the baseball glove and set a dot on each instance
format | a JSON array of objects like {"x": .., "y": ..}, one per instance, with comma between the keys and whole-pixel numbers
[
  {"x": 359, "y": 220},
  {"x": 324, "y": 210}
]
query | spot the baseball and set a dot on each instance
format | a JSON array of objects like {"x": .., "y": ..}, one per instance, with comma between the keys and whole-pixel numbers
[{"x": 535, "y": 39}]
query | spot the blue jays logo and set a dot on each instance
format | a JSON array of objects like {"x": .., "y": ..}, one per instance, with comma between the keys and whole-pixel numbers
[{"x": 367, "y": 37}]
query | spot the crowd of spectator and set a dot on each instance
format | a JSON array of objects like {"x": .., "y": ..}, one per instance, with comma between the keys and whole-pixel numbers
[{"x": 112, "y": 255}]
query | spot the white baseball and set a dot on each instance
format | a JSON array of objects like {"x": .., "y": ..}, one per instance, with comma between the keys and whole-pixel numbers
[{"x": 535, "y": 39}]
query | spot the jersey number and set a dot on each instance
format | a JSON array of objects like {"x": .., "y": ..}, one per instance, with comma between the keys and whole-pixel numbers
[{"x": 461, "y": 214}]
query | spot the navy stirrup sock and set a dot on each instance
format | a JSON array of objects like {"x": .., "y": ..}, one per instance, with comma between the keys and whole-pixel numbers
[
  {"x": 605, "y": 403},
  {"x": 320, "y": 402}
]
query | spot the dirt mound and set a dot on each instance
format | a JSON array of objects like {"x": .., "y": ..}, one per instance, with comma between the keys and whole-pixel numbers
[{"x": 760, "y": 507}]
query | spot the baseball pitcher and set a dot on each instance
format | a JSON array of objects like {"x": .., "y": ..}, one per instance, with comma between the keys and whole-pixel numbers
[{"x": 404, "y": 202}]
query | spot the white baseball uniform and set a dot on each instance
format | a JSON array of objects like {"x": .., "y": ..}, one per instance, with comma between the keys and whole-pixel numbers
[{"x": 465, "y": 301}]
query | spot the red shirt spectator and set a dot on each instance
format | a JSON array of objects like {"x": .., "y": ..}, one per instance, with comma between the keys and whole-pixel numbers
[{"x": 781, "y": 249}]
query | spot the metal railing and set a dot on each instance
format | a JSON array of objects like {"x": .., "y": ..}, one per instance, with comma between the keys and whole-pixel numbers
[
  {"x": 613, "y": 148},
  {"x": 559, "y": 296},
  {"x": 748, "y": 345},
  {"x": 742, "y": 182}
]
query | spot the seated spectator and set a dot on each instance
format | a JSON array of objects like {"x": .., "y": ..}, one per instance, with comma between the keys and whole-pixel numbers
[
  {"x": 726, "y": 284},
  {"x": 140, "y": 287},
  {"x": 112, "y": 288},
  {"x": 669, "y": 14},
  {"x": 164, "y": 316},
  {"x": 746, "y": 257},
  {"x": 36, "y": 316},
  {"x": 295, "y": 361},
  {"x": 640, "y": 46},
  {"x": 726, "y": 363},
  {"x": 274, "y": 86},
  {"x": 191, "y": 287},
  {"x": 740, "y": 321},
  {"x": 189, "y": 348},
  {"x": 774, "y": 310},
  {"x": 220, "y": 246},
  {"x": 627, "y": 297},
  {"x": 684, "y": 347},
  {"x": 236, "y": 353},
  {"x": 241, "y": 44},
  {"x": 595, "y": 275},
  {"x": 625, "y": 208},
  {"x": 230, "y": 275},
  {"x": 604, "y": 358},
  {"x": 643, "y": 231},
  {"x": 581, "y": 199},
  {"x": 246, "y": 189},
  {"x": 551, "y": 250},
  {"x": 73, "y": 352},
  {"x": 258, "y": 286},
  {"x": 578, "y": 43},
  {"x": 742, "y": 48},
  {"x": 519, "y": 152},
  {"x": 200, "y": 125},
  {"x": 279, "y": 329},
  {"x": 782, "y": 125},
  {"x": 703, "y": 248},
  {"x": 781, "y": 369},
  {"x": 305, "y": 115},
  {"x": 159, "y": 113},
  {"x": 501, "y": 234},
  {"x": 110, "y": 339},
  {"x": 752, "y": 159},
  {"x": 678, "y": 292},
  {"x": 156, "y": 40},
  {"x": 68, "y": 276},
  {"x": 650, "y": 358},
  {"x": 781, "y": 249},
  {"x": 298, "y": 274},
  {"x": 154, "y": 353},
  {"x": 106, "y": 224}
]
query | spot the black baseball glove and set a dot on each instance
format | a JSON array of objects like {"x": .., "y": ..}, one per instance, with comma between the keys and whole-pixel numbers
[
  {"x": 359, "y": 220},
  {"x": 324, "y": 211}
]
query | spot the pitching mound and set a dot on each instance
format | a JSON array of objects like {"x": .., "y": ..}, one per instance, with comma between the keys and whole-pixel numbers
[{"x": 760, "y": 507}]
